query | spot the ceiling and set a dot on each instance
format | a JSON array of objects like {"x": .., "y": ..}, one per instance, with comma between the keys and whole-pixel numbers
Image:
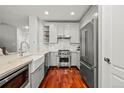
[{"x": 18, "y": 15}]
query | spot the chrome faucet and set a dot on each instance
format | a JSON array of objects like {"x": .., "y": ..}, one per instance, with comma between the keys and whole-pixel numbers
[{"x": 21, "y": 50}]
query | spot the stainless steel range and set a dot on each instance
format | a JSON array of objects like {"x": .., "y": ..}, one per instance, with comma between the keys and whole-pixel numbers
[{"x": 64, "y": 58}]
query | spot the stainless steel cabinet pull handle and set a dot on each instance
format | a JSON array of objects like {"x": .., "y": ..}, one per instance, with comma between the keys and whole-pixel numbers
[
  {"x": 107, "y": 60},
  {"x": 89, "y": 67}
]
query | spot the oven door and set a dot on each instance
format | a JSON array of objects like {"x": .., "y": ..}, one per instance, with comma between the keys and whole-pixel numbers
[
  {"x": 64, "y": 59},
  {"x": 16, "y": 79},
  {"x": 64, "y": 62}
]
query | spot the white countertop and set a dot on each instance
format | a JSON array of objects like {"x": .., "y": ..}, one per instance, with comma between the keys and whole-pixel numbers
[{"x": 12, "y": 62}]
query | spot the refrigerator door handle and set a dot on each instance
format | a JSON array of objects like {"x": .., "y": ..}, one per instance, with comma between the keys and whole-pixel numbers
[{"x": 89, "y": 67}]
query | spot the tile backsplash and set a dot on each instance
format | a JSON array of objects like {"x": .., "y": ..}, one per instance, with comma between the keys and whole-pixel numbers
[{"x": 63, "y": 44}]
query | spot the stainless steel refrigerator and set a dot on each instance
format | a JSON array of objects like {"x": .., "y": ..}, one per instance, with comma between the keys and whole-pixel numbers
[{"x": 89, "y": 53}]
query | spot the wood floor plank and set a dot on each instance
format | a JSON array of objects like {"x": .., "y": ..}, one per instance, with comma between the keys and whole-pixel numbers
[{"x": 63, "y": 78}]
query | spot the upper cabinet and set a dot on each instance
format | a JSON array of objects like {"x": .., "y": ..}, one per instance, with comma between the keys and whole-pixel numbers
[
  {"x": 53, "y": 33},
  {"x": 67, "y": 30},
  {"x": 74, "y": 33},
  {"x": 60, "y": 29}
]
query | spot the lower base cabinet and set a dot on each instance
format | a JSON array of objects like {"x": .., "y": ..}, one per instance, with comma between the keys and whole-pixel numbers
[
  {"x": 37, "y": 76},
  {"x": 75, "y": 59},
  {"x": 53, "y": 59}
]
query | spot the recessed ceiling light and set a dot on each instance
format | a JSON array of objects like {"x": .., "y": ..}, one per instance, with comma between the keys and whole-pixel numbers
[
  {"x": 72, "y": 13},
  {"x": 46, "y": 12}
]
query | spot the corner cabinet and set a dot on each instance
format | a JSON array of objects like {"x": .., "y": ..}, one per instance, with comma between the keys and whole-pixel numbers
[
  {"x": 74, "y": 33},
  {"x": 53, "y": 33}
]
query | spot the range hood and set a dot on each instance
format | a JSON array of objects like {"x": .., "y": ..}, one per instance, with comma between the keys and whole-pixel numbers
[{"x": 63, "y": 37}]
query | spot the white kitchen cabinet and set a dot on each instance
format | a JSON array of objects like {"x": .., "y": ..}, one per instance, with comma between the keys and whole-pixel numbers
[
  {"x": 67, "y": 29},
  {"x": 37, "y": 61},
  {"x": 74, "y": 33},
  {"x": 53, "y": 33},
  {"x": 53, "y": 59},
  {"x": 75, "y": 59},
  {"x": 37, "y": 76},
  {"x": 60, "y": 29},
  {"x": 37, "y": 71},
  {"x": 64, "y": 29}
]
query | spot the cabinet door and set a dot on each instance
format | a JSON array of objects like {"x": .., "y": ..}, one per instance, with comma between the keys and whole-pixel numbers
[
  {"x": 53, "y": 59},
  {"x": 75, "y": 61},
  {"x": 74, "y": 32},
  {"x": 67, "y": 28},
  {"x": 60, "y": 28},
  {"x": 37, "y": 77},
  {"x": 53, "y": 33}
]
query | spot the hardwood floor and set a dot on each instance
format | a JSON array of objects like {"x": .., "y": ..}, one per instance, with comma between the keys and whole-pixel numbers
[{"x": 63, "y": 78}]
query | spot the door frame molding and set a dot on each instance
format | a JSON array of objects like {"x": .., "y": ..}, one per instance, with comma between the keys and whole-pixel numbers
[{"x": 100, "y": 46}]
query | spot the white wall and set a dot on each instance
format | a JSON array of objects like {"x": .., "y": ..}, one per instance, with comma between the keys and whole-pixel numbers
[
  {"x": 8, "y": 37},
  {"x": 33, "y": 29}
]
